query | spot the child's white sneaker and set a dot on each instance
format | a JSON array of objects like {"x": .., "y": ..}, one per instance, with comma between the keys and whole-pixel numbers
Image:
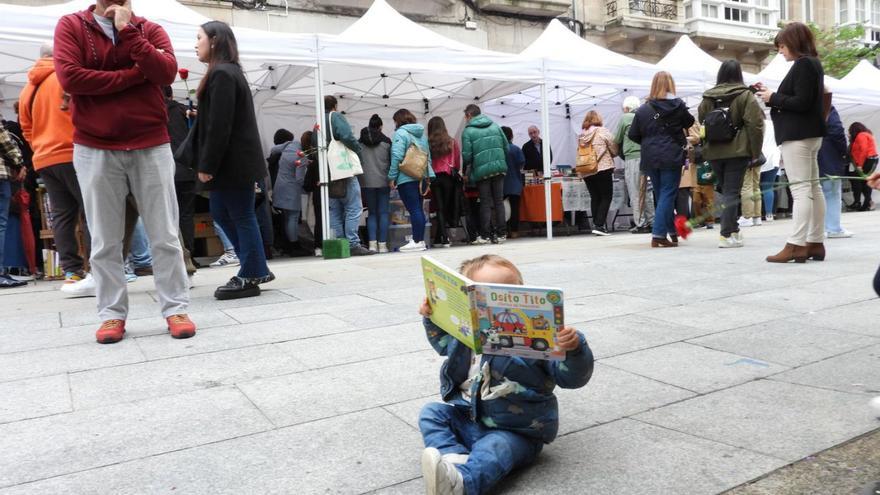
[
  {"x": 441, "y": 476},
  {"x": 456, "y": 458}
]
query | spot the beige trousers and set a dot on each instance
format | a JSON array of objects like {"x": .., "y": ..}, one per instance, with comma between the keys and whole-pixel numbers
[
  {"x": 751, "y": 193},
  {"x": 801, "y": 165}
]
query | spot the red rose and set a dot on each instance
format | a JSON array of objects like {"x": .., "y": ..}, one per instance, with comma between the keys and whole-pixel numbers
[
  {"x": 682, "y": 226},
  {"x": 184, "y": 74}
]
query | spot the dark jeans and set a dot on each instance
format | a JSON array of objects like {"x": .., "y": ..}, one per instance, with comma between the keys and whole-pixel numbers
[
  {"x": 443, "y": 191},
  {"x": 263, "y": 212},
  {"x": 472, "y": 210},
  {"x": 513, "y": 221},
  {"x": 5, "y": 199},
  {"x": 412, "y": 199},
  {"x": 683, "y": 202},
  {"x": 665, "y": 182},
  {"x": 601, "y": 187},
  {"x": 861, "y": 189},
  {"x": 186, "y": 206},
  {"x": 730, "y": 174},
  {"x": 67, "y": 210},
  {"x": 877, "y": 282},
  {"x": 492, "y": 198},
  {"x": 233, "y": 209},
  {"x": 319, "y": 231}
]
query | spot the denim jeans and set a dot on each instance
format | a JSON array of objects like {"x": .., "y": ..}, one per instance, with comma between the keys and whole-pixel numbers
[
  {"x": 768, "y": 182},
  {"x": 140, "y": 247},
  {"x": 234, "y": 210},
  {"x": 5, "y": 199},
  {"x": 227, "y": 244},
  {"x": 291, "y": 224},
  {"x": 412, "y": 199},
  {"x": 730, "y": 173},
  {"x": 492, "y": 453},
  {"x": 377, "y": 199},
  {"x": 665, "y": 182},
  {"x": 345, "y": 214},
  {"x": 832, "y": 189}
]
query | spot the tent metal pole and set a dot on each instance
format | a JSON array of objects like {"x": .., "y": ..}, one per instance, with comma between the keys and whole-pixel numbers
[
  {"x": 545, "y": 150},
  {"x": 323, "y": 171}
]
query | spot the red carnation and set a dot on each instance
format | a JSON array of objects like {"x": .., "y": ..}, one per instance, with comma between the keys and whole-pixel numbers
[
  {"x": 682, "y": 226},
  {"x": 184, "y": 74},
  {"x": 300, "y": 154},
  {"x": 298, "y": 163}
]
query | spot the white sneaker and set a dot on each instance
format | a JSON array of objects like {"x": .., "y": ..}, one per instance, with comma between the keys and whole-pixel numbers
[
  {"x": 502, "y": 239},
  {"x": 455, "y": 458},
  {"x": 412, "y": 247},
  {"x": 745, "y": 222},
  {"x": 319, "y": 253},
  {"x": 756, "y": 221},
  {"x": 84, "y": 288},
  {"x": 728, "y": 242},
  {"x": 738, "y": 237},
  {"x": 441, "y": 477},
  {"x": 875, "y": 404},
  {"x": 768, "y": 218},
  {"x": 383, "y": 247},
  {"x": 843, "y": 234},
  {"x": 228, "y": 259},
  {"x": 189, "y": 281},
  {"x": 479, "y": 241},
  {"x": 374, "y": 246}
]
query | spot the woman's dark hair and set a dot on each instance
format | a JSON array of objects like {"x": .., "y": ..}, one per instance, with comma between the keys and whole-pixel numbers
[
  {"x": 224, "y": 48},
  {"x": 438, "y": 137},
  {"x": 375, "y": 122},
  {"x": 508, "y": 132},
  {"x": 857, "y": 128},
  {"x": 330, "y": 103},
  {"x": 403, "y": 117},
  {"x": 306, "y": 141},
  {"x": 282, "y": 136},
  {"x": 798, "y": 38},
  {"x": 730, "y": 72}
]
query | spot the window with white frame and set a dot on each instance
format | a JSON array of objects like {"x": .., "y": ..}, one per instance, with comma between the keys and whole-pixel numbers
[
  {"x": 762, "y": 3},
  {"x": 843, "y": 11},
  {"x": 783, "y": 9},
  {"x": 762, "y": 18},
  {"x": 710, "y": 11},
  {"x": 875, "y": 12},
  {"x": 875, "y": 35},
  {"x": 689, "y": 12},
  {"x": 861, "y": 14},
  {"x": 808, "y": 10},
  {"x": 736, "y": 15}
]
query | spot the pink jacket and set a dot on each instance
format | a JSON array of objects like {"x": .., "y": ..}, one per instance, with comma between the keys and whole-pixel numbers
[{"x": 448, "y": 163}]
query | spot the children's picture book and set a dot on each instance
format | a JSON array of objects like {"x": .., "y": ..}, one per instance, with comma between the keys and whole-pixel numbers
[{"x": 499, "y": 319}]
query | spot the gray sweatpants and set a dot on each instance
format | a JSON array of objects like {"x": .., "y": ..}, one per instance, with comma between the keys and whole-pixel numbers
[
  {"x": 640, "y": 192},
  {"x": 106, "y": 178}
]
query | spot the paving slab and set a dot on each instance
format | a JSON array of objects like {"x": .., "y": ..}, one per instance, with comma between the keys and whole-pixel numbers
[
  {"x": 786, "y": 342},
  {"x": 105, "y": 386},
  {"x": 783, "y": 420},
  {"x": 802, "y": 299},
  {"x": 140, "y": 305},
  {"x": 62, "y": 444},
  {"x": 605, "y": 306},
  {"x": 629, "y": 457},
  {"x": 622, "y": 334},
  {"x": 27, "y": 320},
  {"x": 717, "y": 315},
  {"x": 34, "y": 398},
  {"x": 693, "y": 367},
  {"x": 44, "y": 362},
  {"x": 329, "y": 305},
  {"x": 318, "y": 394},
  {"x": 854, "y": 372},
  {"x": 859, "y": 318},
  {"x": 235, "y": 335},
  {"x": 379, "y": 315}
]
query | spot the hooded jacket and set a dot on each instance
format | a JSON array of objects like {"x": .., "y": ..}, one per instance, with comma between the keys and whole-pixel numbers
[
  {"x": 116, "y": 90},
  {"x": 603, "y": 145},
  {"x": 745, "y": 114},
  {"x": 47, "y": 127},
  {"x": 483, "y": 149},
  {"x": 404, "y": 136},
  {"x": 662, "y": 139},
  {"x": 375, "y": 158},
  {"x": 832, "y": 154}
]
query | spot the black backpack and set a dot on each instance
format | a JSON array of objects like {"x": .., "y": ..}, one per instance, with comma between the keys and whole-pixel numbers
[{"x": 719, "y": 123}]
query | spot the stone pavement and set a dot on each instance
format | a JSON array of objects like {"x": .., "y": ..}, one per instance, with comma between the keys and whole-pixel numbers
[{"x": 714, "y": 368}]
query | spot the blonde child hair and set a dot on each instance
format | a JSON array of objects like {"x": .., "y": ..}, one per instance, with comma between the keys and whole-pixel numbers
[{"x": 473, "y": 265}]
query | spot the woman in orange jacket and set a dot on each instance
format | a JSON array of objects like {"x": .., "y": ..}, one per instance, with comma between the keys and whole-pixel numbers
[{"x": 863, "y": 150}]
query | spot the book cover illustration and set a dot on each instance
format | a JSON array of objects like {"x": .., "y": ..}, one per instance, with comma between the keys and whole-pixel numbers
[{"x": 509, "y": 320}]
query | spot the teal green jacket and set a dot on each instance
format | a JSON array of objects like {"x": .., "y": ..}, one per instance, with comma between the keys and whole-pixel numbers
[
  {"x": 483, "y": 149},
  {"x": 403, "y": 138}
]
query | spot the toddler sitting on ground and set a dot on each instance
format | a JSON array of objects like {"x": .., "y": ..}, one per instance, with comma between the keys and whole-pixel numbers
[{"x": 499, "y": 411}]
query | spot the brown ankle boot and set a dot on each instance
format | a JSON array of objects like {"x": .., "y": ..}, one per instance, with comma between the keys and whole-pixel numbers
[
  {"x": 816, "y": 251},
  {"x": 788, "y": 253}
]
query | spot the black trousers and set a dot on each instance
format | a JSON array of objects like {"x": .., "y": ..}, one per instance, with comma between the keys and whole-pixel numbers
[
  {"x": 492, "y": 219},
  {"x": 319, "y": 233},
  {"x": 601, "y": 188},
  {"x": 877, "y": 282},
  {"x": 513, "y": 221},
  {"x": 683, "y": 202},
  {"x": 186, "y": 205},
  {"x": 67, "y": 210},
  {"x": 443, "y": 191}
]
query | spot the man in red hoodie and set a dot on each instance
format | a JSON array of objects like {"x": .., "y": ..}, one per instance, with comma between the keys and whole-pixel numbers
[
  {"x": 114, "y": 64},
  {"x": 46, "y": 125}
]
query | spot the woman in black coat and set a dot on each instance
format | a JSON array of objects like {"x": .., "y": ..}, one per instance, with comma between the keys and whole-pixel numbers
[
  {"x": 798, "y": 113},
  {"x": 230, "y": 156},
  {"x": 659, "y": 126}
]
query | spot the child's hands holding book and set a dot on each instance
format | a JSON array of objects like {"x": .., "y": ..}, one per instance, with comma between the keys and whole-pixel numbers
[
  {"x": 425, "y": 309},
  {"x": 568, "y": 339}
]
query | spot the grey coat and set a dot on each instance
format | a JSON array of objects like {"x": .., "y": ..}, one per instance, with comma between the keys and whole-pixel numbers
[{"x": 288, "y": 189}]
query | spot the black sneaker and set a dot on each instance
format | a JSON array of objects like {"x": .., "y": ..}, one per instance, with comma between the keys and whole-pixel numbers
[
  {"x": 361, "y": 251},
  {"x": 263, "y": 280},
  {"x": 237, "y": 288},
  {"x": 7, "y": 282}
]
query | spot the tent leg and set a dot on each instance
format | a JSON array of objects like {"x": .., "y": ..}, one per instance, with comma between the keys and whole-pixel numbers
[
  {"x": 321, "y": 156},
  {"x": 545, "y": 153}
]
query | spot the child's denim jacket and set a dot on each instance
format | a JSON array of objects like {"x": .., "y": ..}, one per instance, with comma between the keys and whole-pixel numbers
[{"x": 511, "y": 393}]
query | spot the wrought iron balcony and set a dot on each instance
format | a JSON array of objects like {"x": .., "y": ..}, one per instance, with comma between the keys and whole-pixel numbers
[{"x": 657, "y": 9}]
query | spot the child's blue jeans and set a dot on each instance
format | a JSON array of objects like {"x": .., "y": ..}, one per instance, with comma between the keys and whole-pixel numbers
[{"x": 492, "y": 454}]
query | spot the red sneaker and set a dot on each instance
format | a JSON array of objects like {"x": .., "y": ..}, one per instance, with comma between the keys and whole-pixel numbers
[
  {"x": 180, "y": 326},
  {"x": 111, "y": 331}
]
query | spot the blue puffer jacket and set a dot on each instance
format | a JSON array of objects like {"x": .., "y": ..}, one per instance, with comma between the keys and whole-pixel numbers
[
  {"x": 658, "y": 127},
  {"x": 403, "y": 137},
  {"x": 520, "y": 396},
  {"x": 833, "y": 154}
]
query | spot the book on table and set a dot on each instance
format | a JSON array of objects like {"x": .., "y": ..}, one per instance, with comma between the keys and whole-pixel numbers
[{"x": 499, "y": 319}]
